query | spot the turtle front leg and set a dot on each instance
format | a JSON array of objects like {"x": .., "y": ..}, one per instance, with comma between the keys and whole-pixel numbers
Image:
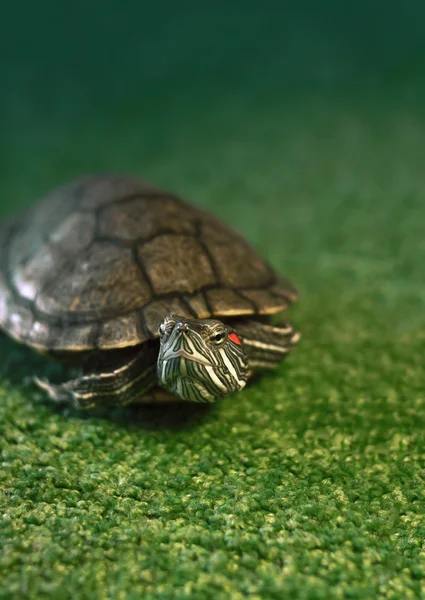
[
  {"x": 266, "y": 345},
  {"x": 129, "y": 380}
]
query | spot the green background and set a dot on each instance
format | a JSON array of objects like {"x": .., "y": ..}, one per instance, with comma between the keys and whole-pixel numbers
[{"x": 302, "y": 125}]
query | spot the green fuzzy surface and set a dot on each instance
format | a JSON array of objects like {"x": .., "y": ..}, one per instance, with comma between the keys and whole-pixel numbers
[{"x": 310, "y": 483}]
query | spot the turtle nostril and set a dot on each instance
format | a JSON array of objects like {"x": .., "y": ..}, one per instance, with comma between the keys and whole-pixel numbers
[{"x": 181, "y": 326}]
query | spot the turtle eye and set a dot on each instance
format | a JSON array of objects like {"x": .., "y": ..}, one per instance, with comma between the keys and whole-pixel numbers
[
  {"x": 163, "y": 328},
  {"x": 166, "y": 326},
  {"x": 219, "y": 337}
]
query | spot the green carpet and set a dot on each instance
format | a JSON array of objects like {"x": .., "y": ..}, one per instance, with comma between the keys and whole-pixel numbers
[{"x": 304, "y": 130}]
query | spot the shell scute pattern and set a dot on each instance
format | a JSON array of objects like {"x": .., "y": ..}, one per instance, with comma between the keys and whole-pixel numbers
[
  {"x": 100, "y": 261},
  {"x": 103, "y": 280},
  {"x": 127, "y": 220},
  {"x": 176, "y": 263}
]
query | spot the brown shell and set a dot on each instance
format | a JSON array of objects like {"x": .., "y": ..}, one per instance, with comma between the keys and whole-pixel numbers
[{"x": 99, "y": 263}]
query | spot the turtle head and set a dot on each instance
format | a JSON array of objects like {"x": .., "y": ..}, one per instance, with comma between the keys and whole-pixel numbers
[{"x": 200, "y": 360}]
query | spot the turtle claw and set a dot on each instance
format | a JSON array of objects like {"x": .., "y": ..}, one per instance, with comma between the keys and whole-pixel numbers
[{"x": 58, "y": 393}]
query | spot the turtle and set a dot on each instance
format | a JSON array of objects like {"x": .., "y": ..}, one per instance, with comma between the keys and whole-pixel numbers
[{"x": 147, "y": 296}]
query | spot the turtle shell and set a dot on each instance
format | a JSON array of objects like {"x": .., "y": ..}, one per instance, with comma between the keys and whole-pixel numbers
[{"x": 99, "y": 262}]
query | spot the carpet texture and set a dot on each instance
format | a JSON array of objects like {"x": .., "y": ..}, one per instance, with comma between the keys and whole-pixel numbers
[{"x": 310, "y": 483}]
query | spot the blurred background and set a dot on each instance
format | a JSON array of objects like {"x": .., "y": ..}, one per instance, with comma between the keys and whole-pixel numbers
[{"x": 299, "y": 123}]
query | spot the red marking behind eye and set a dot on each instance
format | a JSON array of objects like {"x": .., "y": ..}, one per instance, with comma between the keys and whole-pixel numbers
[{"x": 234, "y": 338}]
